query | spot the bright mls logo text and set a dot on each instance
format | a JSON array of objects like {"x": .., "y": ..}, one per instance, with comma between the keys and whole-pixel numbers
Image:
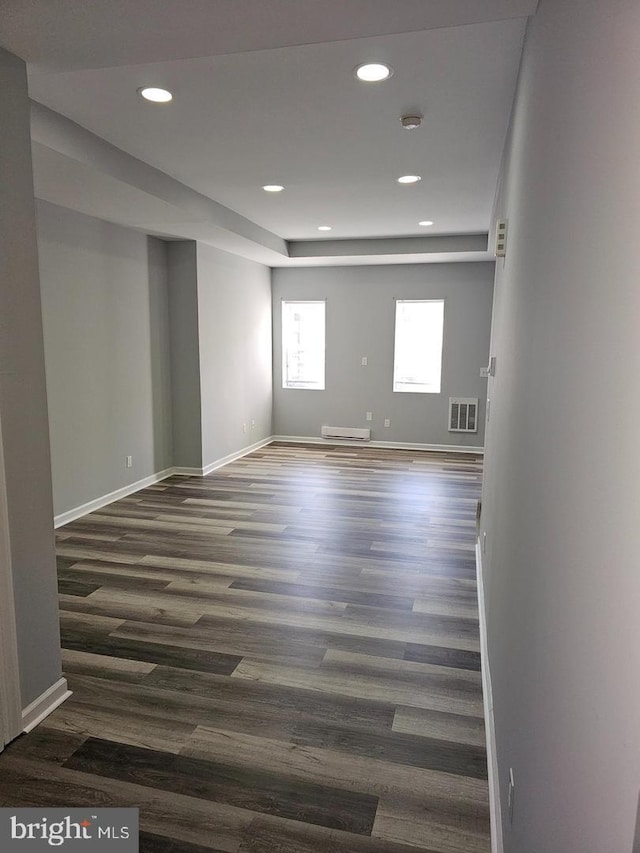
[
  {"x": 56, "y": 833},
  {"x": 105, "y": 830}
]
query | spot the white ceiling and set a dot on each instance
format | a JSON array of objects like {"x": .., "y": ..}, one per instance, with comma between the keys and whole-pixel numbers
[{"x": 264, "y": 92}]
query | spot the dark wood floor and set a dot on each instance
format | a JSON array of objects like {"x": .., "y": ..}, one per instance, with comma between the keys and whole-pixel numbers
[{"x": 281, "y": 657}]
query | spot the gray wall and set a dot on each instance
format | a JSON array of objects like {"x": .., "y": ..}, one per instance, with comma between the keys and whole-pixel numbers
[
  {"x": 562, "y": 485},
  {"x": 185, "y": 353},
  {"x": 360, "y": 321},
  {"x": 23, "y": 401},
  {"x": 106, "y": 335},
  {"x": 234, "y": 316}
]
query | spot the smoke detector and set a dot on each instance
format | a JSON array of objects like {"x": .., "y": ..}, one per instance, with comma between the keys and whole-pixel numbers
[{"x": 410, "y": 122}]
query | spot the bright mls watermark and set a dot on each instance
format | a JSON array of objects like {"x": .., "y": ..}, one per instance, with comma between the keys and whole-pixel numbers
[{"x": 36, "y": 830}]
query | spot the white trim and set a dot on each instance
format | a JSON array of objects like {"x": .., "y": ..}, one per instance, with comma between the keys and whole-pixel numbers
[
  {"x": 495, "y": 805},
  {"x": 10, "y": 702},
  {"x": 231, "y": 457},
  {"x": 47, "y": 702},
  {"x": 98, "y": 503},
  {"x": 125, "y": 491},
  {"x": 389, "y": 445}
]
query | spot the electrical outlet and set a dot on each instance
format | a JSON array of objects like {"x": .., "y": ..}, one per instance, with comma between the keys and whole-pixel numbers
[
  {"x": 128, "y": 461},
  {"x": 253, "y": 424},
  {"x": 512, "y": 794},
  {"x": 369, "y": 416},
  {"x": 364, "y": 361},
  {"x": 244, "y": 427},
  {"x": 387, "y": 422}
]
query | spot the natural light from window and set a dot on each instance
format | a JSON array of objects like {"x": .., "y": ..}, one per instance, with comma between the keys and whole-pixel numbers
[
  {"x": 303, "y": 344},
  {"x": 417, "y": 362}
]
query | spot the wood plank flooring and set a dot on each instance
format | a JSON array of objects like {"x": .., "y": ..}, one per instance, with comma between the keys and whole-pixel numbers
[{"x": 281, "y": 657}]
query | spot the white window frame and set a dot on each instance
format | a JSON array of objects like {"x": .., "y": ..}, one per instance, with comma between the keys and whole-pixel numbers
[
  {"x": 319, "y": 383},
  {"x": 407, "y": 385}
]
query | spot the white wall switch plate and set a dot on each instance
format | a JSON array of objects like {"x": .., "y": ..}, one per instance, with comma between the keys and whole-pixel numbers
[
  {"x": 369, "y": 416},
  {"x": 387, "y": 422}
]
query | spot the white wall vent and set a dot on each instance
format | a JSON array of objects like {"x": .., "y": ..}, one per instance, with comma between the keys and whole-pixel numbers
[
  {"x": 463, "y": 414},
  {"x": 346, "y": 432}
]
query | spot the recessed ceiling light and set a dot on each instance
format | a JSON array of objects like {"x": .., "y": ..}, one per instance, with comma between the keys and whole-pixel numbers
[
  {"x": 272, "y": 188},
  {"x": 325, "y": 227},
  {"x": 425, "y": 223},
  {"x": 373, "y": 72},
  {"x": 409, "y": 179},
  {"x": 158, "y": 96}
]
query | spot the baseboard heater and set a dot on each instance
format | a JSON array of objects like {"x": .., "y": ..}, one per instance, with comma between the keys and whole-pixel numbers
[{"x": 346, "y": 432}]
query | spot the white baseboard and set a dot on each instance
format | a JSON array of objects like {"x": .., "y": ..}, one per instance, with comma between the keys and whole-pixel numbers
[
  {"x": 224, "y": 460},
  {"x": 389, "y": 445},
  {"x": 495, "y": 806},
  {"x": 231, "y": 457},
  {"x": 41, "y": 707},
  {"x": 98, "y": 503},
  {"x": 125, "y": 491}
]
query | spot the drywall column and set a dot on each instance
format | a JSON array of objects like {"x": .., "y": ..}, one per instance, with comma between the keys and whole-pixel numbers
[
  {"x": 185, "y": 354},
  {"x": 220, "y": 308},
  {"x": 562, "y": 483},
  {"x": 23, "y": 401}
]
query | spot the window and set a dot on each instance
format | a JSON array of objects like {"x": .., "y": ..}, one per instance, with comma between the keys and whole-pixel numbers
[
  {"x": 417, "y": 362},
  {"x": 303, "y": 326}
]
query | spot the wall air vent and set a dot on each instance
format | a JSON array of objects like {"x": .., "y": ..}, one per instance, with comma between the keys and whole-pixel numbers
[
  {"x": 346, "y": 432},
  {"x": 463, "y": 414}
]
